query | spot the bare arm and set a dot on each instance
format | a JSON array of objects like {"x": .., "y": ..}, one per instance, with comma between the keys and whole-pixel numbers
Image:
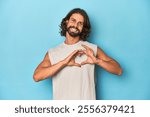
[
  {"x": 45, "y": 69},
  {"x": 108, "y": 63},
  {"x": 102, "y": 60}
]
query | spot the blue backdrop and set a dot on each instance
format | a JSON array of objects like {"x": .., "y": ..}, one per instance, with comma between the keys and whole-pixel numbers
[{"x": 28, "y": 28}]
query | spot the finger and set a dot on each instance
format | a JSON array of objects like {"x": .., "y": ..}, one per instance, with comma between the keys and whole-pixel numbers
[
  {"x": 86, "y": 47},
  {"x": 73, "y": 53},
  {"x": 80, "y": 50},
  {"x": 84, "y": 62},
  {"x": 80, "y": 53},
  {"x": 83, "y": 52},
  {"x": 77, "y": 64}
]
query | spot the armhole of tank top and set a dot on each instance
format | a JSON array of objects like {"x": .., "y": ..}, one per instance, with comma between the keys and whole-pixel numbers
[
  {"x": 96, "y": 50},
  {"x": 50, "y": 57}
]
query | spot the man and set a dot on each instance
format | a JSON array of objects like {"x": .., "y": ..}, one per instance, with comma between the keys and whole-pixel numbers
[{"x": 71, "y": 64}]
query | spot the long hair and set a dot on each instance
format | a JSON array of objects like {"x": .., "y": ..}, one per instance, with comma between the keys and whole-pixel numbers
[{"x": 86, "y": 25}]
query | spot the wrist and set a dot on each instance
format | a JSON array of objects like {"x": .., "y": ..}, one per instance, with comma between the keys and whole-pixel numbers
[
  {"x": 95, "y": 60},
  {"x": 99, "y": 61},
  {"x": 64, "y": 63}
]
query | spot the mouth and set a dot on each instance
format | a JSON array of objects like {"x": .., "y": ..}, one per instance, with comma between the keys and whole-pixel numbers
[{"x": 74, "y": 30}]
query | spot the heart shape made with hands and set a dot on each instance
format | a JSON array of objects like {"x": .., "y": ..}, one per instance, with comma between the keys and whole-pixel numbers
[
  {"x": 85, "y": 57},
  {"x": 80, "y": 57}
]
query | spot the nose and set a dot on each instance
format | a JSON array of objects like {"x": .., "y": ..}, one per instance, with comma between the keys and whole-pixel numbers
[{"x": 75, "y": 25}]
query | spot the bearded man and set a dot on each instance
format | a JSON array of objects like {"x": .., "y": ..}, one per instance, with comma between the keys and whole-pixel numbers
[{"x": 71, "y": 64}]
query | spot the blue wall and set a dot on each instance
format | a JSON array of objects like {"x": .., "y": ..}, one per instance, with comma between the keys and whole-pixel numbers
[{"x": 29, "y": 28}]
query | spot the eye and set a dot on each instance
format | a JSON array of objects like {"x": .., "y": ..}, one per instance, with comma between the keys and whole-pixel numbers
[
  {"x": 80, "y": 24},
  {"x": 72, "y": 20}
]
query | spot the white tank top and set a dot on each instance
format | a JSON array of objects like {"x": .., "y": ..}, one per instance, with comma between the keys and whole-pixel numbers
[{"x": 72, "y": 82}]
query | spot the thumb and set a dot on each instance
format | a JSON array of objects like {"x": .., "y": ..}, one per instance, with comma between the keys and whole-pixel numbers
[
  {"x": 84, "y": 62},
  {"x": 72, "y": 55},
  {"x": 77, "y": 64}
]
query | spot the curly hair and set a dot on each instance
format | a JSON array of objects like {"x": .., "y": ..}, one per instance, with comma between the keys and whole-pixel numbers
[{"x": 86, "y": 25}]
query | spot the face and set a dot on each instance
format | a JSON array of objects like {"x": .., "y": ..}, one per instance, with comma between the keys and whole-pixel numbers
[{"x": 75, "y": 25}]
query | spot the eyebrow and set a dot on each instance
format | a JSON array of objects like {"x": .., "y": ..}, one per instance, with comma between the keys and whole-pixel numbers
[{"x": 75, "y": 19}]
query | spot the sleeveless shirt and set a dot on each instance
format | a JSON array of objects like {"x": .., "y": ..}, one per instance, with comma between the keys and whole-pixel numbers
[{"x": 72, "y": 82}]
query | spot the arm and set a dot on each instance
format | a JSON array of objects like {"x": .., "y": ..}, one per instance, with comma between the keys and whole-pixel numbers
[
  {"x": 102, "y": 60},
  {"x": 107, "y": 63},
  {"x": 45, "y": 69}
]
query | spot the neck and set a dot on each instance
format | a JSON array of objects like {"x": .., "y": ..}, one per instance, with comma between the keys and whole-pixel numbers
[{"x": 71, "y": 40}]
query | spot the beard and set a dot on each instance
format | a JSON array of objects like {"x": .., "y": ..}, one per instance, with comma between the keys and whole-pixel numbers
[{"x": 73, "y": 31}]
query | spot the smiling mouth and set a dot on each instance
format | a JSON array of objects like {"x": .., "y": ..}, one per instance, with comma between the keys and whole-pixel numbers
[{"x": 73, "y": 30}]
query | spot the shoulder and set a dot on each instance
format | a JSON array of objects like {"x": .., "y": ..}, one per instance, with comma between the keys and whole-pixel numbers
[
  {"x": 88, "y": 43},
  {"x": 54, "y": 52},
  {"x": 56, "y": 48}
]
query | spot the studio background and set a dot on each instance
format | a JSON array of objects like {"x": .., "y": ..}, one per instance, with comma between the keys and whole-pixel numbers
[{"x": 28, "y": 28}]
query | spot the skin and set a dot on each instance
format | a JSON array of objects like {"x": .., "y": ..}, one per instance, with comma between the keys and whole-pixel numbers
[{"x": 45, "y": 69}]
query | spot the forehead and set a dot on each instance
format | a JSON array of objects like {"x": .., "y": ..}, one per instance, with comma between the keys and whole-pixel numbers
[{"x": 77, "y": 16}]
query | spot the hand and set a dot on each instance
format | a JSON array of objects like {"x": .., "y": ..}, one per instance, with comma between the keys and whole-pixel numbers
[
  {"x": 70, "y": 60},
  {"x": 91, "y": 59}
]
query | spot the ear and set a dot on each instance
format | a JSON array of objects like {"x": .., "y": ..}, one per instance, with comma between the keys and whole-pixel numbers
[{"x": 67, "y": 21}]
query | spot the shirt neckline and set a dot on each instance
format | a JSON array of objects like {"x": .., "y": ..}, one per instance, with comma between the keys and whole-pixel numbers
[{"x": 71, "y": 45}]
